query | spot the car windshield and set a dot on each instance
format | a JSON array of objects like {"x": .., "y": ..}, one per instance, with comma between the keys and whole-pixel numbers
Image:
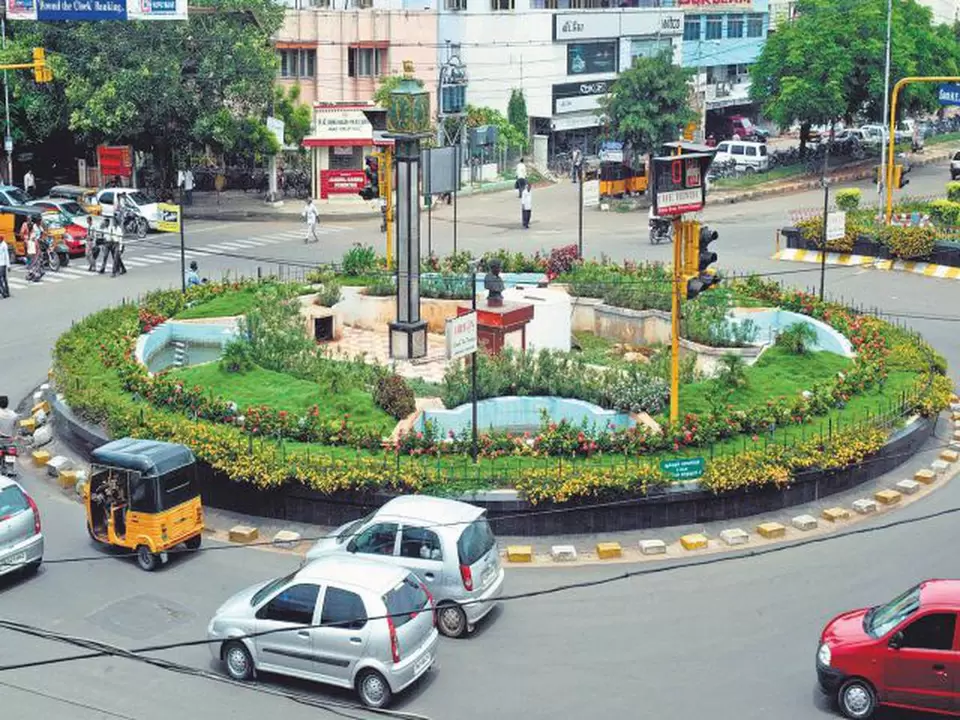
[
  {"x": 72, "y": 208},
  {"x": 267, "y": 590},
  {"x": 12, "y": 501},
  {"x": 883, "y": 618},
  {"x": 350, "y": 530},
  {"x": 55, "y": 219},
  {"x": 139, "y": 198},
  {"x": 17, "y": 196}
]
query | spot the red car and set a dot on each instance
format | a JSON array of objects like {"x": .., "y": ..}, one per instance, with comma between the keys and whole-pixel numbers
[{"x": 903, "y": 654}]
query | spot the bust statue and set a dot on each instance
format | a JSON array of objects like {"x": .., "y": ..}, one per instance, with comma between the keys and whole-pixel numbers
[{"x": 493, "y": 283}]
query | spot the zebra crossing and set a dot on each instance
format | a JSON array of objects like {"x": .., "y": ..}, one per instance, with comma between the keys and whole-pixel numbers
[{"x": 159, "y": 255}]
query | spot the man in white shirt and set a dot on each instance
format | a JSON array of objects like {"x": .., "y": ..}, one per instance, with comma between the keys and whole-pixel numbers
[
  {"x": 29, "y": 183},
  {"x": 4, "y": 264},
  {"x": 526, "y": 206},
  {"x": 185, "y": 181},
  {"x": 8, "y": 420},
  {"x": 311, "y": 214},
  {"x": 521, "y": 177}
]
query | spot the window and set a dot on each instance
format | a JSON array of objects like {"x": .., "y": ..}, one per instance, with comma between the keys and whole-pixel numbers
[
  {"x": 691, "y": 28},
  {"x": 649, "y": 48},
  {"x": 12, "y": 501},
  {"x": 475, "y": 542},
  {"x": 343, "y": 609},
  {"x": 763, "y": 151},
  {"x": 454, "y": 4},
  {"x": 751, "y": 151},
  {"x": 350, "y": 530},
  {"x": 294, "y": 605},
  {"x": 420, "y": 543},
  {"x": 366, "y": 62},
  {"x": 298, "y": 63},
  {"x": 931, "y": 632},
  {"x": 883, "y": 618},
  {"x": 405, "y": 601},
  {"x": 723, "y": 147},
  {"x": 270, "y": 588},
  {"x": 106, "y": 198},
  {"x": 754, "y": 25},
  {"x": 714, "y": 27},
  {"x": 501, "y": 5},
  {"x": 377, "y": 539},
  {"x": 734, "y": 26},
  {"x": 736, "y": 149},
  {"x": 347, "y": 158}
]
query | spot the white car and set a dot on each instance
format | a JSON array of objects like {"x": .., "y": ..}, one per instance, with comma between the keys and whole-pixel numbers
[
  {"x": 748, "y": 156},
  {"x": 107, "y": 200},
  {"x": 955, "y": 166}
]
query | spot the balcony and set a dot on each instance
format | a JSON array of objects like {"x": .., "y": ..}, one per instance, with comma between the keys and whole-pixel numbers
[{"x": 727, "y": 92}]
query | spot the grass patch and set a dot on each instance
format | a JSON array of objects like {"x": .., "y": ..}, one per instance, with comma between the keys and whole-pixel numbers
[
  {"x": 423, "y": 388},
  {"x": 229, "y": 304},
  {"x": 285, "y": 392},
  {"x": 596, "y": 350},
  {"x": 777, "y": 373},
  {"x": 941, "y": 139},
  {"x": 784, "y": 172}
]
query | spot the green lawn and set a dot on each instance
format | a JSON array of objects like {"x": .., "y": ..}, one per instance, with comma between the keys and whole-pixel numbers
[
  {"x": 597, "y": 350},
  {"x": 284, "y": 392},
  {"x": 230, "y": 304},
  {"x": 777, "y": 373},
  {"x": 785, "y": 172}
]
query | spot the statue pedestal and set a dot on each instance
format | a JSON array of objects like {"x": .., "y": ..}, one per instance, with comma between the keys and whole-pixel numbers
[{"x": 500, "y": 326}]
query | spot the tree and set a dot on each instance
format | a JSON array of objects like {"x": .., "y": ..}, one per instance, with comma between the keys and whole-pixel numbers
[
  {"x": 649, "y": 102},
  {"x": 163, "y": 87},
  {"x": 828, "y": 64},
  {"x": 297, "y": 117},
  {"x": 507, "y": 134},
  {"x": 387, "y": 85},
  {"x": 517, "y": 114}
]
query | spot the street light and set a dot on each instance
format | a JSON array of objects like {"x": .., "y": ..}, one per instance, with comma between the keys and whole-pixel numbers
[{"x": 472, "y": 265}]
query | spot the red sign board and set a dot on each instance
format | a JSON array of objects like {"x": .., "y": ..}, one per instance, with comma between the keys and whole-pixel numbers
[
  {"x": 678, "y": 183},
  {"x": 114, "y": 161},
  {"x": 341, "y": 182}
]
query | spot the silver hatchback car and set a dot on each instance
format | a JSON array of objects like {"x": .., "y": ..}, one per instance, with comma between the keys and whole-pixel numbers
[
  {"x": 343, "y": 621},
  {"x": 21, "y": 541},
  {"x": 448, "y": 544}
]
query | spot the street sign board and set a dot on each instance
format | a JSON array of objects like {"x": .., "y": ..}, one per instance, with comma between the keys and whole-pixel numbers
[
  {"x": 95, "y": 10},
  {"x": 276, "y": 127},
  {"x": 461, "y": 336},
  {"x": 168, "y": 219},
  {"x": 440, "y": 167},
  {"x": 591, "y": 193},
  {"x": 949, "y": 94},
  {"x": 678, "y": 183},
  {"x": 684, "y": 468},
  {"x": 836, "y": 225}
]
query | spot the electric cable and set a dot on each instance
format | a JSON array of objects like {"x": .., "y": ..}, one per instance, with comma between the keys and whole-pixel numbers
[{"x": 67, "y": 701}]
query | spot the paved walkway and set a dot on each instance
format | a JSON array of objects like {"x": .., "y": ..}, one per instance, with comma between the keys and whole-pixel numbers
[{"x": 374, "y": 347}]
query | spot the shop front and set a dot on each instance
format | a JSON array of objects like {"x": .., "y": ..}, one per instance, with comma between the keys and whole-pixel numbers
[{"x": 342, "y": 137}]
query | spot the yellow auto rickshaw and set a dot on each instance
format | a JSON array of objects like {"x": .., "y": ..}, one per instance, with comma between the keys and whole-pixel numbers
[
  {"x": 12, "y": 218},
  {"x": 142, "y": 495},
  {"x": 619, "y": 174},
  {"x": 85, "y": 197}
]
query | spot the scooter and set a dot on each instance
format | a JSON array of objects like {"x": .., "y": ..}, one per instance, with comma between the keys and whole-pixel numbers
[
  {"x": 661, "y": 230},
  {"x": 8, "y": 459}
]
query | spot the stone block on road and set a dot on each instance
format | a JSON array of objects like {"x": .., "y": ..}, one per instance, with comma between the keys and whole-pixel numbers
[
  {"x": 609, "y": 550},
  {"x": 243, "y": 534},
  {"x": 908, "y": 487},
  {"x": 57, "y": 464},
  {"x": 925, "y": 476},
  {"x": 939, "y": 466},
  {"x": 887, "y": 497},
  {"x": 804, "y": 522},
  {"x": 40, "y": 457},
  {"x": 519, "y": 553},
  {"x": 835, "y": 514},
  {"x": 771, "y": 530},
  {"x": 563, "y": 553},
  {"x": 28, "y": 425},
  {"x": 693, "y": 541},
  {"x": 653, "y": 547},
  {"x": 735, "y": 536},
  {"x": 951, "y": 456},
  {"x": 67, "y": 478},
  {"x": 286, "y": 538},
  {"x": 42, "y": 436},
  {"x": 864, "y": 506}
]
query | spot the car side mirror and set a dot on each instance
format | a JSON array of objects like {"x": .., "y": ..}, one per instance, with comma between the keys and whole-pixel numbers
[
  {"x": 352, "y": 545},
  {"x": 896, "y": 641}
]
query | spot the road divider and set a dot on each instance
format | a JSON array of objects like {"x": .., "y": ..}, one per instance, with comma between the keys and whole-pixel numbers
[{"x": 944, "y": 272}]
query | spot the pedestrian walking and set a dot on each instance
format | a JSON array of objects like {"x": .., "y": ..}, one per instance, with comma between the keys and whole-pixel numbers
[
  {"x": 110, "y": 244},
  {"x": 118, "y": 266},
  {"x": 4, "y": 266},
  {"x": 94, "y": 243},
  {"x": 29, "y": 183},
  {"x": 521, "y": 182},
  {"x": 192, "y": 277},
  {"x": 185, "y": 182},
  {"x": 577, "y": 163},
  {"x": 526, "y": 206},
  {"x": 311, "y": 214}
]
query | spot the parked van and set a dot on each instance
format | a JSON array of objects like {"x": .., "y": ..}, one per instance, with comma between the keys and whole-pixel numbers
[{"x": 748, "y": 156}]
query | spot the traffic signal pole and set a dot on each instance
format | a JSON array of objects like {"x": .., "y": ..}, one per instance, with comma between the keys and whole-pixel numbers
[{"x": 386, "y": 191}]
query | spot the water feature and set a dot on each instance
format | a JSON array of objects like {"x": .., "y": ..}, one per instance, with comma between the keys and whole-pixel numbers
[
  {"x": 770, "y": 322},
  {"x": 520, "y": 414},
  {"x": 193, "y": 353},
  {"x": 185, "y": 343}
]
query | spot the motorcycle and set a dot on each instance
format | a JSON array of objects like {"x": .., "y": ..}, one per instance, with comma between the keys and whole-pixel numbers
[
  {"x": 8, "y": 458},
  {"x": 134, "y": 223},
  {"x": 661, "y": 230}
]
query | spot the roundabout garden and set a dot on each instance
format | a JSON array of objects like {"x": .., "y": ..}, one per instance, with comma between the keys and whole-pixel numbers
[{"x": 762, "y": 402}]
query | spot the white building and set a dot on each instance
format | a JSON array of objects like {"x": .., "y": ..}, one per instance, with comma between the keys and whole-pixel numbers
[
  {"x": 564, "y": 60},
  {"x": 944, "y": 11}
]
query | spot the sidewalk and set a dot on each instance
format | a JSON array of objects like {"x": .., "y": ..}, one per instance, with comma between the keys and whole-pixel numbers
[{"x": 237, "y": 205}]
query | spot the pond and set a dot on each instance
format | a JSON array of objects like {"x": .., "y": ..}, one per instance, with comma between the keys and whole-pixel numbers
[
  {"x": 193, "y": 354},
  {"x": 770, "y": 322},
  {"x": 200, "y": 342}
]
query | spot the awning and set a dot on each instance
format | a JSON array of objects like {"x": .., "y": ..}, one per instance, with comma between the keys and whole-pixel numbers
[{"x": 296, "y": 45}]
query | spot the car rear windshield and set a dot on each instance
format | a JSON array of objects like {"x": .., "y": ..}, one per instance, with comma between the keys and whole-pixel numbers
[
  {"x": 72, "y": 208},
  {"x": 177, "y": 487},
  {"x": 957, "y": 156},
  {"x": 405, "y": 601},
  {"x": 12, "y": 501},
  {"x": 18, "y": 196},
  {"x": 475, "y": 541},
  {"x": 763, "y": 150}
]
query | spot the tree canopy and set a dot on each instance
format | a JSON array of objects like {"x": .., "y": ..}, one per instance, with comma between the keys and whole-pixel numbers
[
  {"x": 649, "y": 103},
  {"x": 387, "y": 85},
  {"x": 828, "y": 63},
  {"x": 517, "y": 113}
]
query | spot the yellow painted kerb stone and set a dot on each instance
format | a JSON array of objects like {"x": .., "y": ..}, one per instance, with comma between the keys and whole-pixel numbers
[
  {"x": 520, "y": 553},
  {"x": 40, "y": 457},
  {"x": 771, "y": 530},
  {"x": 835, "y": 514},
  {"x": 925, "y": 476},
  {"x": 887, "y": 497},
  {"x": 950, "y": 456},
  {"x": 28, "y": 424},
  {"x": 243, "y": 534},
  {"x": 609, "y": 550},
  {"x": 693, "y": 541},
  {"x": 67, "y": 478}
]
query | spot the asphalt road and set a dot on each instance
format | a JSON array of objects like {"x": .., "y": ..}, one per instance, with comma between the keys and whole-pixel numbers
[{"x": 731, "y": 639}]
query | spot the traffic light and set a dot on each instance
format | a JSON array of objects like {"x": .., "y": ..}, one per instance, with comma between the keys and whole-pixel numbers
[
  {"x": 706, "y": 276},
  {"x": 898, "y": 179},
  {"x": 41, "y": 73},
  {"x": 372, "y": 171}
]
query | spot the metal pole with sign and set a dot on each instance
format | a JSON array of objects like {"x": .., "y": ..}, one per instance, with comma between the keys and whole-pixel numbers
[
  {"x": 170, "y": 220},
  {"x": 8, "y": 138},
  {"x": 826, "y": 206}
]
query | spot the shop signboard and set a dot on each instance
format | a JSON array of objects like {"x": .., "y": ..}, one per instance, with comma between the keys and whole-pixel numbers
[
  {"x": 340, "y": 126},
  {"x": 341, "y": 182},
  {"x": 168, "y": 219},
  {"x": 577, "y": 96},
  {"x": 461, "y": 336},
  {"x": 115, "y": 161},
  {"x": 585, "y": 26},
  {"x": 715, "y": 5},
  {"x": 593, "y": 58},
  {"x": 96, "y": 10}
]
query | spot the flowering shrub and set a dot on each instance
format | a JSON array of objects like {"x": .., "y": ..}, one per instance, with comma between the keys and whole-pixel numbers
[
  {"x": 908, "y": 242},
  {"x": 562, "y": 260},
  {"x": 393, "y": 394}
]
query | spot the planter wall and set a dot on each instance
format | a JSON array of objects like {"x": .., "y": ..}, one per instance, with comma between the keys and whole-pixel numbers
[{"x": 374, "y": 313}]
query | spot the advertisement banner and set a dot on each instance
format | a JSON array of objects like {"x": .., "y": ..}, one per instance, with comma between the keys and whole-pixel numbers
[
  {"x": 156, "y": 9},
  {"x": 276, "y": 126},
  {"x": 79, "y": 10},
  {"x": 593, "y": 57},
  {"x": 168, "y": 217},
  {"x": 114, "y": 161},
  {"x": 341, "y": 182},
  {"x": 718, "y": 5},
  {"x": 21, "y": 9}
]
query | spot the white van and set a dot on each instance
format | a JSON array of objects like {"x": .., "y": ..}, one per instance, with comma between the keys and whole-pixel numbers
[{"x": 748, "y": 156}]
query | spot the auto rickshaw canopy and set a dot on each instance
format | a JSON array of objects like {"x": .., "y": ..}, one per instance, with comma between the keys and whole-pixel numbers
[{"x": 151, "y": 458}]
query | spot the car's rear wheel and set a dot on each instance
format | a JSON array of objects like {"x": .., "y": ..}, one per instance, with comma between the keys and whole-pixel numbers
[
  {"x": 857, "y": 699},
  {"x": 146, "y": 559},
  {"x": 237, "y": 660},
  {"x": 373, "y": 689},
  {"x": 32, "y": 568},
  {"x": 452, "y": 620}
]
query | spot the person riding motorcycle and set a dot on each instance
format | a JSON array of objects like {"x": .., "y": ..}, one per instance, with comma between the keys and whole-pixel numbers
[{"x": 661, "y": 228}]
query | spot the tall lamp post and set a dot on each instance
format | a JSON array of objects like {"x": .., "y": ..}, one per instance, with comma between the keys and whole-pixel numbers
[{"x": 408, "y": 122}]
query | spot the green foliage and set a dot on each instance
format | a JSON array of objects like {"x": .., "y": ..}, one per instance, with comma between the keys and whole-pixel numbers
[
  {"x": 517, "y": 114},
  {"x": 733, "y": 371},
  {"x": 389, "y": 83},
  {"x": 382, "y": 286},
  {"x": 447, "y": 286},
  {"x": 797, "y": 339},
  {"x": 330, "y": 293},
  {"x": 236, "y": 357},
  {"x": 812, "y": 231},
  {"x": 908, "y": 242},
  {"x": 648, "y": 102},
  {"x": 828, "y": 63},
  {"x": 393, "y": 395},
  {"x": 508, "y": 136},
  {"x": 297, "y": 116},
  {"x": 945, "y": 213},
  {"x": 359, "y": 260},
  {"x": 274, "y": 331},
  {"x": 705, "y": 321},
  {"x": 953, "y": 191},
  {"x": 848, "y": 199}
]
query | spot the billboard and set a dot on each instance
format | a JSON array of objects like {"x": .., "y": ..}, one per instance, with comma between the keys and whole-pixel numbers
[{"x": 93, "y": 10}]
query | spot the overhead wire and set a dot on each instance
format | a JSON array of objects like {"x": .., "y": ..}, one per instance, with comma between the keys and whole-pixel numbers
[{"x": 66, "y": 701}]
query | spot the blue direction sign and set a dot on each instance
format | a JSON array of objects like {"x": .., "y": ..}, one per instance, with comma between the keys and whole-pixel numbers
[
  {"x": 949, "y": 94},
  {"x": 58, "y": 10}
]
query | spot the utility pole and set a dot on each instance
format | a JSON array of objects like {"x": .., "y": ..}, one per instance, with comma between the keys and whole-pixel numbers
[
  {"x": 8, "y": 138},
  {"x": 886, "y": 99},
  {"x": 826, "y": 207},
  {"x": 580, "y": 213}
]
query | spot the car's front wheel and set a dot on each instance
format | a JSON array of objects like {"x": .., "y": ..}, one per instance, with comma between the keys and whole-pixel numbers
[
  {"x": 237, "y": 660},
  {"x": 857, "y": 699}
]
